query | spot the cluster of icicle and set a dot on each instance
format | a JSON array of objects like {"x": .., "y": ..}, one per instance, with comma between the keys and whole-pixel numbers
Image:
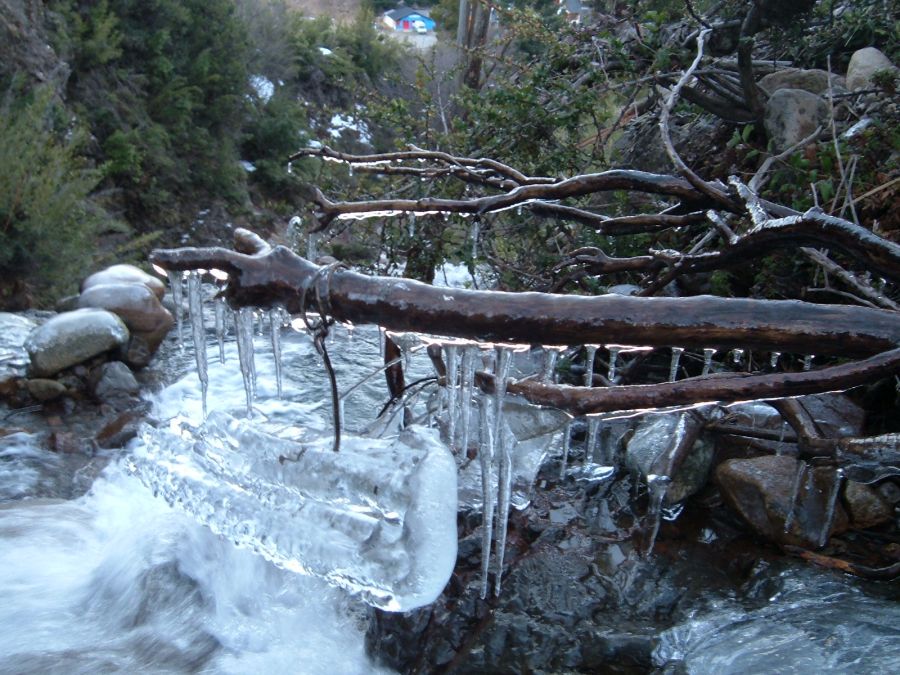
[{"x": 455, "y": 404}]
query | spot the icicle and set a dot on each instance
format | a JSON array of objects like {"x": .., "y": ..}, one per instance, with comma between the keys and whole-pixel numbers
[
  {"x": 178, "y": 300},
  {"x": 466, "y": 391},
  {"x": 350, "y": 170},
  {"x": 485, "y": 457},
  {"x": 591, "y": 354},
  {"x": 548, "y": 370},
  {"x": 773, "y": 360},
  {"x": 452, "y": 356},
  {"x": 613, "y": 356},
  {"x": 807, "y": 361},
  {"x": 504, "y": 446},
  {"x": 707, "y": 360},
  {"x": 567, "y": 441},
  {"x": 474, "y": 232},
  {"x": 275, "y": 324},
  {"x": 737, "y": 355},
  {"x": 673, "y": 366},
  {"x": 795, "y": 495},
  {"x": 312, "y": 246},
  {"x": 411, "y": 225},
  {"x": 831, "y": 506},
  {"x": 219, "y": 307},
  {"x": 658, "y": 487},
  {"x": 198, "y": 332},
  {"x": 503, "y": 364},
  {"x": 290, "y": 167},
  {"x": 243, "y": 328},
  {"x": 590, "y": 448}
]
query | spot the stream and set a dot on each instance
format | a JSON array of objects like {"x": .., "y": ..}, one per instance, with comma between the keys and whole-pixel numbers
[{"x": 119, "y": 580}]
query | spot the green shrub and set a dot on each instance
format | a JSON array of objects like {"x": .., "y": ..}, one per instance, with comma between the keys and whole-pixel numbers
[{"x": 46, "y": 220}]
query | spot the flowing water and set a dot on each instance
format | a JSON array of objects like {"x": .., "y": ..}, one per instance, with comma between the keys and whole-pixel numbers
[{"x": 117, "y": 580}]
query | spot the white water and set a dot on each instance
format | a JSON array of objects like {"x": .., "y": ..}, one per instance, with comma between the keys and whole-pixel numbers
[{"x": 119, "y": 581}]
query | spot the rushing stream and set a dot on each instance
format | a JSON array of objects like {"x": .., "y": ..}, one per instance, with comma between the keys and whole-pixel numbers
[{"x": 119, "y": 580}]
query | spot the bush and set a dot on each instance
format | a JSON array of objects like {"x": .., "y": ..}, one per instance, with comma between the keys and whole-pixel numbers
[{"x": 46, "y": 219}]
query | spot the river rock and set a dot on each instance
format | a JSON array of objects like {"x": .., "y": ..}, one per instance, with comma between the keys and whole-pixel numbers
[
  {"x": 125, "y": 274},
  {"x": 658, "y": 438},
  {"x": 865, "y": 506},
  {"x": 863, "y": 65},
  {"x": 114, "y": 381},
  {"x": 42, "y": 389},
  {"x": 791, "y": 115},
  {"x": 760, "y": 489},
  {"x": 814, "y": 80},
  {"x": 73, "y": 337},
  {"x": 140, "y": 308}
]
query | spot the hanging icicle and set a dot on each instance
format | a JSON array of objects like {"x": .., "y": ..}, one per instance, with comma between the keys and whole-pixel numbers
[
  {"x": 707, "y": 360},
  {"x": 504, "y": 446},
  {"x": 466, "y": 391},
  {"x": 488, "y": 497},
  {"x": 795, "y": 495},
  {"x": 548, "y": 369},
  {"x": 590, "y": 448},
  {"x": 658, "y": 486},
  {"x": 275, "y": 326},
  {"x": 831, "y": 506},
  {"x": 198, "y": 333},
  {"x": 243, "y": 328},
  {"x": 175, "y": 281},
  {"x": 673, "y": 365},
  {"x": 807, "y": 361},
  {"x": 613, "y": 357},
  {"x": 219, "y": 308},
  {"x": 590, "y": 357},
  {"x": 451, "y": 355},
  {"x": 567, "y": 442},
  {"x": 773, "y": 360}
]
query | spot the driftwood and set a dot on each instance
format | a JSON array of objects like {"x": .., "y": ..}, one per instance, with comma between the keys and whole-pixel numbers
[{"x": 279, "y": 277}]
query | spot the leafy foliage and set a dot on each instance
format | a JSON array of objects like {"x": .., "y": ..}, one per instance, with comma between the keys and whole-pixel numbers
[{"x": 47, "y": 221}]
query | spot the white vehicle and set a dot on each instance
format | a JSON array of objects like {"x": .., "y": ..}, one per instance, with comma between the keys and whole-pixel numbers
[{"x": 420, "y": 27}]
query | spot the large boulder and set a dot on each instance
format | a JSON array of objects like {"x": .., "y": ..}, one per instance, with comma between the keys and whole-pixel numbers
[
  {"x": 863, "y": 65},
  {"x": 791, "y": 115},
  {"x": 814, "y": 80},
  {"x": 125, "y": 274},
  {"x": 762, "y": 490},
  {"x": 139, "y": 307},
  {"x": 73, "y": 337}
]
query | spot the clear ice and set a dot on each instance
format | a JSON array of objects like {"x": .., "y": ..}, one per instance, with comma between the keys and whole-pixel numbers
[
  {"x": 707, "y": 360},
  {"x": 673, "y": 366},
  {"x": 590, "y": 356},
  {"x": 452, "y": 357},
  {"x": 378, "y": 519},
  {"x": 175, "y": 281},
  {"x": 243, "y": 328},
  {"x": 466, "y": 391},
  {"x": 275, "y": 321},
  {"x": 198, "y": 332},
  {"x": 219, "y": 308},
  {"x": 504, "y": 448},
  {"x": 486, "y": 460}
]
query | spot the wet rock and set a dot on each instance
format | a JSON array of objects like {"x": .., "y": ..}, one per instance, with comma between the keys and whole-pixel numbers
[
  {"x": 114, "y": 381},
  {"x": 42, "y": 389},
  {"x": 814, "y": 80},
  {"x": 863, "y": 65},
  {"x": 139, "y": 307},
  {"x": 865, "y": 506},
  {"x": 761, "y": 490},
  {"x": 73, "y": 337},
  {"x": 125, "y": 274},
  {"x": 791, "y": 115},
  {"x": 14, "y": 330},
  {"x": 122, "y": 429},
  {"x": 671, "y": 443}
]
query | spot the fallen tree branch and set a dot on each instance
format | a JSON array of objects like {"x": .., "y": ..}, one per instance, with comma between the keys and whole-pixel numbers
[
  {"x": 588, "y": 400},
  {"x": 279, "y": 277}
]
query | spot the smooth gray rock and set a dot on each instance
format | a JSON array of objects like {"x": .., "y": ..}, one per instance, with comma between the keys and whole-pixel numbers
[
  {"x": 125, "y": 274},
  {"x": 73, "y": 337},
  {"x": 863, "y": 65},
  {"x": 865, "y": 506},
  {"x": 791, "y": 115},
  {"x": 814, "y": 80},
  {"x": 139, "y": 307},
  {"x": 115, "y": 380}
]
